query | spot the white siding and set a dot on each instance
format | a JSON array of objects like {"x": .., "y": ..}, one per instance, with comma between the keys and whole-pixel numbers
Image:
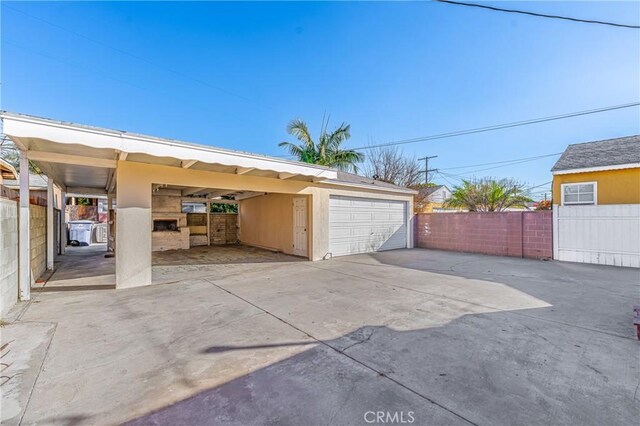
[
  {"x": 362, "y": 225},
  {"x": 604, "y": 234},
  {"x": 440, "y": 196}
]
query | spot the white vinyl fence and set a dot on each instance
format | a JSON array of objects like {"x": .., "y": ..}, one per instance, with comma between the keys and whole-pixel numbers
[{"x": 604, "y": 235}]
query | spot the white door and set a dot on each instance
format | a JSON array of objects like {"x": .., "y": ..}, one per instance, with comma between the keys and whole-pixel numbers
[
  {"x": 300, "y": 226},
  {"x": 362, "y": 225}
]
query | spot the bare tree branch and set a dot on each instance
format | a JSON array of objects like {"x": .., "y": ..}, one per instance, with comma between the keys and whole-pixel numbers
[{"x": 390, "y": 165}]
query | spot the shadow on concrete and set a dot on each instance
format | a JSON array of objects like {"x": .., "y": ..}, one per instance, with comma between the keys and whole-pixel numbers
[
  {"x": 592, "y": 296},
  {"x": 81, "y": 268},
  {"x": 460, "y": 354},
  {"x": 220, "y": 349},
  {"x": 489, "y": 368}
]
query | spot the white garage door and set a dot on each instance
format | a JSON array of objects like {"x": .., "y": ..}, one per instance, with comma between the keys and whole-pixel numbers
[{"x": 362, "y": 225}]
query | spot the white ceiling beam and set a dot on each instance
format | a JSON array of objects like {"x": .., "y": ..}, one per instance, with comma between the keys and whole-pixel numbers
[
  {"x": 204, "y": 200},
  {"x": 111, "y": 181},
  {"x": 243, "y": 170},
  {"x": 286, "y": 175},
  {"x": 49, "y": 171},
  {"x": 191, "y": 191},
  {"x": 249, "y": 194},
  {"x": 188, "y": 163},
  {"x": 83, "y": 190},
  {"x": 54, "y": 157},
  {"x": 220, "y": 193}
]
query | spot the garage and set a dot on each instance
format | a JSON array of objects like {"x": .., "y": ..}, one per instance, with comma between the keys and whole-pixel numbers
[
  {"x": 363, "y": 225},
  {"x": 160, "y": 194}
]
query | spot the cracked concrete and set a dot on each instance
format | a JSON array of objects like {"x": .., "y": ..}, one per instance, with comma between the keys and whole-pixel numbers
[{"x": 453, "y": 338}]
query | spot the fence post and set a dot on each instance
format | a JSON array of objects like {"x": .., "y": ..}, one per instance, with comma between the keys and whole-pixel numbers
[
  {"x": 24, "y": 245},
  {"x": 555, "y": 217},
  {"x": 522, "y": 234}
]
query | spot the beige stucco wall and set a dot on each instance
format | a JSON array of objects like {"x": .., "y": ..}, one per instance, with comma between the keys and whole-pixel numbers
[
  {"x": 8, "y": 255},
  {"x": 267, "y": 221},
  {"x": 134, "y": 180},
  {"x": 38, "y": 239}
]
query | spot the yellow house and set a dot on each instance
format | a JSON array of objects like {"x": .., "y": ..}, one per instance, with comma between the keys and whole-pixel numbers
[
  {"x": 597, "y": 173},
  {"x": 596, "y": 203}
]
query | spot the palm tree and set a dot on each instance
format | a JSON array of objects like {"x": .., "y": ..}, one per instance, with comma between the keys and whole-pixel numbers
[
  {"x": 488, "y": 195},
  {"x": 327, "y": 151}
]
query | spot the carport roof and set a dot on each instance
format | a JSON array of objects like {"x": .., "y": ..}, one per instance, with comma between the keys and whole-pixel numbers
[{"x": 85, "y": 156}]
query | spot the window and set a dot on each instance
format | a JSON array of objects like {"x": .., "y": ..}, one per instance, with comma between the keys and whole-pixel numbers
[{"x": 579, "y": 193}]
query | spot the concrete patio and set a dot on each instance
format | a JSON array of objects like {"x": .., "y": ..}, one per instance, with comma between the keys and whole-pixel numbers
[
  {"x": 453, "y": 338},
  {"x": 81, "y": 268}
]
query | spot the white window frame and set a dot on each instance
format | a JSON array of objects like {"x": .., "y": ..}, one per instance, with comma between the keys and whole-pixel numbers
[{"x": 578, "y": 203}]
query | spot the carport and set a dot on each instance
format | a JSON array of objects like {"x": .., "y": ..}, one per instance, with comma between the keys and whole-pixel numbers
[{"x": 299, "y": 209}]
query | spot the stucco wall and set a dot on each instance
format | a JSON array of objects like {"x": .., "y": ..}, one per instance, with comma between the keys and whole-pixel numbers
[
  {"x": 8, "y": 255},
  {"x": 267, "y": 221},
  {"x": 614, "y": 186},
  {"x": 38, "y": 240},
  {"x": 134, "y": 180}
]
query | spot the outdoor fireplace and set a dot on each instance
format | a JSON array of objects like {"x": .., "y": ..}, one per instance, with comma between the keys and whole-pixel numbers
[
  {"x": 164, "y": 225},
  {"x": 170, "y": 229}
]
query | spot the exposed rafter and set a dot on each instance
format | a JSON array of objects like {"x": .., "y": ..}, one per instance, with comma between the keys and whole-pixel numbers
[
  {"x": 249, "y": 194},
  {"x": 111, "y": 181},
  {"x": 220, "y": 193},
  {"x": 243, "y": 170},
  {"x": 81, "y": 190},
  {"x": 54, "y": 157},
  {"x": 188, "y": 163},
  {"x": 190, "y": 191},
  {"x": 286, "y": 175},
  {"x": 52, "y": 174}
]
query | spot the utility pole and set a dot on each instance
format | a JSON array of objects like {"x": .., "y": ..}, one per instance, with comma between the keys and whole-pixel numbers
[{"x": 426, "y": 167}]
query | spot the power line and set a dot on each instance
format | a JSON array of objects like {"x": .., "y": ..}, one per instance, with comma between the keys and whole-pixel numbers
[
  {"x": 502, "y": 162},
  {"x": 513, "y": 163},
  {"x": 540, "y": 15},
  {"x": 538, "y": 186},
  {"x": 499, "y": 126}
]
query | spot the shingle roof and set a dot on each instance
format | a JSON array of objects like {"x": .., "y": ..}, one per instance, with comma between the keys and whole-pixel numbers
[
  {"x": 353, "y": 178},
  {"x": 35, "y": 182},
  {"x": 610, "y": 152},
  {"x": 431, "y": 189}
]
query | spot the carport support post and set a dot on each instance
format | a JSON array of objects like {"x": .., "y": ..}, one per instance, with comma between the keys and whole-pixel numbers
[
  {"x": 63, "y": 224},
  {"x": 109, "y": 208},
  {"x": 133, "y": 227},
  {"x": 50, "y": 236},
  {"x": 208, "y": 223},
  {"x": 24, "y": 257}
]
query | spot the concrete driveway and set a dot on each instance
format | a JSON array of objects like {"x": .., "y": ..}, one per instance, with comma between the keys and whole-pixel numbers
[{"x": 433, "y": 337}]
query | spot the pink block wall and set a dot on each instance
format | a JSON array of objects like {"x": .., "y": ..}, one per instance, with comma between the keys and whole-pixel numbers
[{"x": 518, "y": 234}]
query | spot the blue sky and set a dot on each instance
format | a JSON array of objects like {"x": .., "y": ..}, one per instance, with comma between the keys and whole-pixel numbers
[{"x": 233, "y": 74}]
